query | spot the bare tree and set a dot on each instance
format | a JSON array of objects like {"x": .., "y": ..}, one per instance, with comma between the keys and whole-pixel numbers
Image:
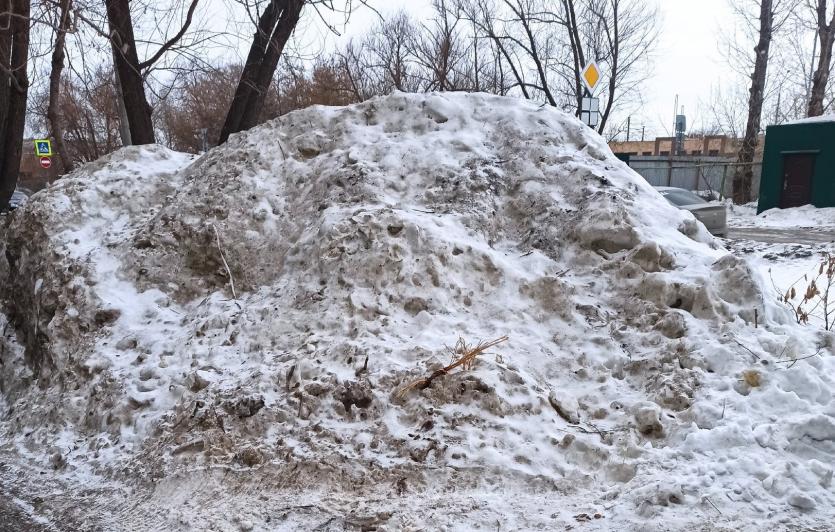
[
  {"x": 126, "y": 60},
  {"x": 566, "y": 16},
  {"x": 483, "y": 17},
  {"x": 546, "y": 46},
  {"x": 275, "y": 25},
  {"x": 131, "y": 72},
  {"x": 769, "y": 23},
  {"x": 523, "y": 34},
  {"x": 628, "y": 29},
  {"x": 351, "y": 62},
  {"x": 56, "y": 129},
  {"x": 325, "y": 83},
  {"x": 441, "y": 50},
  {"x": 14, "y": 61},
  {"x": 727, "y": 110},
  {"x": 199, "y": 102},
  {"x": 87, "y": 108},
  {"x": 826, "y": 36},
  {"x": 384, "y": 60},
  {"x": 795, "y": 62}
]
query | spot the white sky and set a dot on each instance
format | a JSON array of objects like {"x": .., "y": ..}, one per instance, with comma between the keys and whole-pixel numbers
[{"x": 687, "y": 59}]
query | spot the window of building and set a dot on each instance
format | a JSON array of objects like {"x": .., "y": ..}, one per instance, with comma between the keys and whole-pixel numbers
[
  {"x": 714, "y": 152},
  {"x": 665, "y": 153},
  {"x": 647, "y": 153}
]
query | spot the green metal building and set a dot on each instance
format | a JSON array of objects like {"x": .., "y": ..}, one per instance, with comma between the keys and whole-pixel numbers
[{"x": 799, "y": 165}]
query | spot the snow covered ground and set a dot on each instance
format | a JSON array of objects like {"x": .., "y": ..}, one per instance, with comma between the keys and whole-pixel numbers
[
  {"x": 787, "y": 246},
  {"x": 807, "y": 217},
  {"x": 226, "y": 343}
]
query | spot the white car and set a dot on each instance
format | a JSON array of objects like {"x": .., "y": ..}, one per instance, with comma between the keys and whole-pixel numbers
[{"x": 714, "y": 216}]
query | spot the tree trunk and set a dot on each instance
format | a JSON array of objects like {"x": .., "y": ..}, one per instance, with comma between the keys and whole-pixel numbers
[
  {"x": 614, "y": 47},
  {"x": 52, "y": 114},
  {"x": 475, "y": 59},
  {"x": 246, "y": 85},
  {"x": 826, "y": 35},
  {"x": 744, "y": 174},
  {"x": 576, "y": 50},
  {"x": 15, "y": 122},
  {"x": 124, "y": 125},
  {"x": 127, "y": 68},
  {"x": 257, "y": 96},
  {"x": 91, "y": 134},
  {"x": 5, "y": 61}
]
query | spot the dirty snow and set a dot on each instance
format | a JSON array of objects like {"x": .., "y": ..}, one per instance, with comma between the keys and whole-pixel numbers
[{"x": 634, "y": 389}]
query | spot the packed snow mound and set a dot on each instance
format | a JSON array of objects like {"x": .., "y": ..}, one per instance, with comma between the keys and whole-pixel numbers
[
  {"x": 266, "y": 306},
  {"x": 310, "y": 182}
]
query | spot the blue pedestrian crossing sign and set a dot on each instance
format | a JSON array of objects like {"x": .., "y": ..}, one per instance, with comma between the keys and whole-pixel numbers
[{"x": 43, "y": 148}]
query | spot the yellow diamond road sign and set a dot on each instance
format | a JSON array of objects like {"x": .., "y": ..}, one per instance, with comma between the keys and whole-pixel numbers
[
  {"x": 43, "y": 148},
  {"x": 591, "y": 76}
]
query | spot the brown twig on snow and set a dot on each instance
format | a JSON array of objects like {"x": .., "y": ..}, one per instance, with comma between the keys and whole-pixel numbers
[
  {"x": 740, "y": 344},
  {"x": 796, "y": 360},
  {"x": 225, "y": 264},
  {"x": 714, "y": 506},
  {"x": 466, "y": 360}
]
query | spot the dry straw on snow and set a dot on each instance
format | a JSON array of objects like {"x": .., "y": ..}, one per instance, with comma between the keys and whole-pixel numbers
[{"x": 466, "y": 359}]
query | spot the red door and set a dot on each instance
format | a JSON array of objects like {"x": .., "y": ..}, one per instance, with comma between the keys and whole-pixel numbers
[{"x": 798, "y": 169}]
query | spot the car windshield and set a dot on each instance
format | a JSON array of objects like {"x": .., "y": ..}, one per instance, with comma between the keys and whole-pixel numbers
[{"x": 682, "y": 197}]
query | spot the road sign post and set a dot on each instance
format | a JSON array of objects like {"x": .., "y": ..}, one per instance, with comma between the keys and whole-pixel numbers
[
  {"x": 590, "y": 111},
  {"x": 43, "y": 150},
  {"x": 590, "y": 106},
  {"x": 43, "y": 147},
  {"x": 591, "y": 77}
]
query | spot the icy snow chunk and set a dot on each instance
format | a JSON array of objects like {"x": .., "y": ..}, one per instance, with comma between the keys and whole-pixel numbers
[
  {"x": 801, "y": 501},
  {"x": 565, "y": 406},
  {"x": 648, "y": 419}
]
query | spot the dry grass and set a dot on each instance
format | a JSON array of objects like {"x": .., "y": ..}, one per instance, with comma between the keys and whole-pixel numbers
[
  {"x": 466, "y": 358},
  {"x": 752, "y": 378},
  {"x": 818, "y": 297}
]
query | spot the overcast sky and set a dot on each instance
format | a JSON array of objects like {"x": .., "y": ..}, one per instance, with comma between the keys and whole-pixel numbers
[{"x": 687, "y": 59}]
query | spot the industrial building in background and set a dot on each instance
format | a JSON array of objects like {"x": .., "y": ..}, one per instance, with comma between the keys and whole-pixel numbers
[{"x": 703, "y": 163}]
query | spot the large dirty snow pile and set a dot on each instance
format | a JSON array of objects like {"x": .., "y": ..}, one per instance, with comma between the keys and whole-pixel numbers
[{"x": 361, "y": 242}]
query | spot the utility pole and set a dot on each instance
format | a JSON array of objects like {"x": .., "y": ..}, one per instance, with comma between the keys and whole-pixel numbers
[
  {"x": 673, "y": 147},
  {"x": 628, "y": 127}
]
